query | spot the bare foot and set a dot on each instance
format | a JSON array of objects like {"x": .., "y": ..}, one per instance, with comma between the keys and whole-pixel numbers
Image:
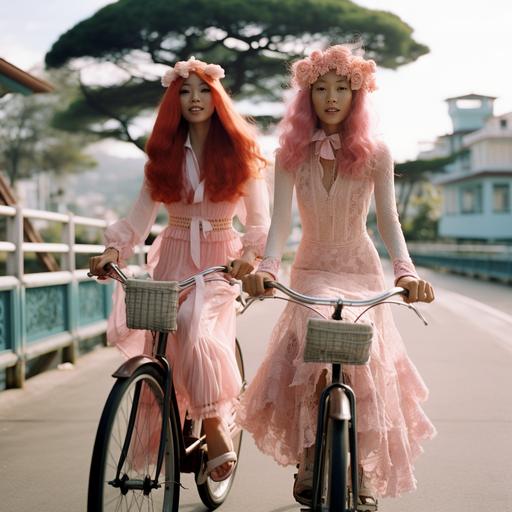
[{"x": 218, "y": 440}]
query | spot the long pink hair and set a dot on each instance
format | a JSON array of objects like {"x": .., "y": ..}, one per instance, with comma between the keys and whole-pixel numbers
[{"x": 300, "y": 123}]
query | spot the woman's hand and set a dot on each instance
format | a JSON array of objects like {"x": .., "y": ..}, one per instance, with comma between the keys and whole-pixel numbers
[
  {"x": 239, "y": 268},
  {"x": 254, "y": 284},
  {"x": 419, "y": 289},
  {"x": 97, "y": 263}
]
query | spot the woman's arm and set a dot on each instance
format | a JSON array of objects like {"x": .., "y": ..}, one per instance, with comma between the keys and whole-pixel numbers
[
  {"x": 278, "y": 233},
  {"x": 256, "y": 220},
  {"x": 390, "y": 230},
  {"x": 122, "y": 236}
]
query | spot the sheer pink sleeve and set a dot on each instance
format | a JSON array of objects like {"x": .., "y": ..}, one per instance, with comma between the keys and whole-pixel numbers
[
  {"x": 257, "y": 216},
  {"x": 281, "y": 221},
  {"x": 388, "y": 222},
  {"x": 133, "y": 229}
]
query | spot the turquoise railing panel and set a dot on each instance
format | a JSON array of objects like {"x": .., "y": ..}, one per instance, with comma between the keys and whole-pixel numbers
[
  {"x": 6, "y": 334},
  {"x": 46, "y": 311},
  {"x": 92, "y": 302}
]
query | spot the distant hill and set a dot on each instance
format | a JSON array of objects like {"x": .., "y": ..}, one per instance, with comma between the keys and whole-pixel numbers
[{"x": 112, "y": 185}]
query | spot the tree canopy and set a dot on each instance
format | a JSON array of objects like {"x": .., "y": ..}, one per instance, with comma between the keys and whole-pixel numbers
[
  {"x": 30, "y": 145},
  {"x": 254, "y": 42}
]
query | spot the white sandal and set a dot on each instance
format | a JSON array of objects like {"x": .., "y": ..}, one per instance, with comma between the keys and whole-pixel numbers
[
  {"x": 213, "y": 464},
  {"x": 366, "y": 501},
  {"x": 303, "y": 485}
]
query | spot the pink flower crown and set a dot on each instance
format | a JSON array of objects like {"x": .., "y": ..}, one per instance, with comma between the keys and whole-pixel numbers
[
  {"x": 358, "y": 71},
  {"x": 183, "y": 68}
]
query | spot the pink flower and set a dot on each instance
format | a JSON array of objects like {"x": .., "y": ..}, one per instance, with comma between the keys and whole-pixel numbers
[
  {"x": 358, "y": 71},
  {"x": 183, "y": 68},
  {"x": 338, "y": 53},
  {"x": 316, "y": 56},
  {"x": 168, "y": 77},
  {"x": 370, "y": 66},
  {"x": 371, "y": 84},
  {"x": 356, "y": 78},
  {"x": 320, "y": 68},
  {"x": 214, "y": 71},
  {"x": 303, "y": 74}
]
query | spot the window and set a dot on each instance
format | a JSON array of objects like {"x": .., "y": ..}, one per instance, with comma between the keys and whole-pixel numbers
[
  {"x": 450, "y": 200},
  {"x": 501, "y": 198},
  {"x": 471, "y": 199},
  {"x": 503, "y": 124}
]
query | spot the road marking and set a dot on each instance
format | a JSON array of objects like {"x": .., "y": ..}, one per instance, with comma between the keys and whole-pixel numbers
[{"x": 492, "y": 320}]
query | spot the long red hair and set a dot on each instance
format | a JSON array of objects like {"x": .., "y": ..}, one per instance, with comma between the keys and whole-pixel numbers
[{"x": 230, "y": 154}]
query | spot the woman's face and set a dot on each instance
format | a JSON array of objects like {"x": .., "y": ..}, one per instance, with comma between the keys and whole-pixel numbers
[
  {"x": 331, "y": 97},
  {"x": 196, "y": 100}
]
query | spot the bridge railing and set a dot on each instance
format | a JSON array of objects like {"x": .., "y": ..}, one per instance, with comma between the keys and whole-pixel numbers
[
  {"x": 485, "y": 261},
  {"x": 46, "y": 311}
]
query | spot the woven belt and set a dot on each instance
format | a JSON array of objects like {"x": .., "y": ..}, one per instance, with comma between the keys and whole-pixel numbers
[
  {"x": 196, "y": 225},
  {"x": 186, "y": 222}
]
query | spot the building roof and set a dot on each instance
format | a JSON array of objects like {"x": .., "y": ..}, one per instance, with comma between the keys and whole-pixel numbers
[
  {"x": 14, "y": 79},
  {"x": 447, "y": 180},
  {"x": 471, "y": 96}
]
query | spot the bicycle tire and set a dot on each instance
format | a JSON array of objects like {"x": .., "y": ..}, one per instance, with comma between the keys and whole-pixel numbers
[
  {"x": 338, "y": 462},
  {"x": 141, "y": 456},
  {"x": 213, "y": 494}
]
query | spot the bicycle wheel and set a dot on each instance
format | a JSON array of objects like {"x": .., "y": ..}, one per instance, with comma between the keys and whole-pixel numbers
[
  {"x": 337, "y": 463},
  {"x": 213, "y": 494},
  {"x": 134, "y": 404}
]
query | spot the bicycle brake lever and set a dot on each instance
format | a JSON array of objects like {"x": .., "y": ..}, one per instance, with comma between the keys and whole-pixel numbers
[
  {"x": 418, "y": 313},
  {"x": 241, "y": 297}
]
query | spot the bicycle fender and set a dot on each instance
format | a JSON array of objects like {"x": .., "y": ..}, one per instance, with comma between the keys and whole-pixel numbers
[
  {"x": 339, "y": 405},
  {"x": 131, "y": 365}
]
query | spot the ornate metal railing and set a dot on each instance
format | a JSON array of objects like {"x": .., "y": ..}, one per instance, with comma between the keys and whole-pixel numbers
[{"x": 46, "y": 311}]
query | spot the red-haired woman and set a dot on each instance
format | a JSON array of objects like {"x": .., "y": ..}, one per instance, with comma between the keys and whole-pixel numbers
[
  {"x": 205, "y": 167},
  {"x": 329, "y": 155}
]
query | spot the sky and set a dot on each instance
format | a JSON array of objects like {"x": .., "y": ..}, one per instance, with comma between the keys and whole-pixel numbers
[{"x": 469, "y": 43}]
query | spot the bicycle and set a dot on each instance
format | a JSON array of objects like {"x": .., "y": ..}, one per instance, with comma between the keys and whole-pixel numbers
[
  {"x": 140, "y": 448},
  {"x": 335, "y": 471}
]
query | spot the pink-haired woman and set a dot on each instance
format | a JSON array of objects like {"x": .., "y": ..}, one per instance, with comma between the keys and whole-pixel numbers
[{"x": 328, "y": 154}]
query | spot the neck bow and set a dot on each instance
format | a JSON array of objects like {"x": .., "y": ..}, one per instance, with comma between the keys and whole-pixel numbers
[{"x": 325, "y": 145}]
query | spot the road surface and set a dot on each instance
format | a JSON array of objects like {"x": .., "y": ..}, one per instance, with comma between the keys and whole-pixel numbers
[{"x": 465, "y": 356}]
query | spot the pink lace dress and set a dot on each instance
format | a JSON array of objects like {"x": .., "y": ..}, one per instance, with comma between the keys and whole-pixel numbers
[
  {"x": 199, "y": 235},
  {"x": 337, "y": 257}
]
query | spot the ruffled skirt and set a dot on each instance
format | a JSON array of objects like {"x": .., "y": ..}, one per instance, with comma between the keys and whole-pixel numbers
[
  {"x": 280, "y": 405},
  {"x": 202, "y": 351}
]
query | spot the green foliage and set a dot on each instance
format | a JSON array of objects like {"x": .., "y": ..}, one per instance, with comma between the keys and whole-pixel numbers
[
  {"x": 253, "y": 40},
  {"x": 413, "y": 175},
  {"x": 417, "y": 170},
  {"x": 29, "y": 144},
  {"x": 423, "y": 226},
  {"x": 235, "y": 30}
]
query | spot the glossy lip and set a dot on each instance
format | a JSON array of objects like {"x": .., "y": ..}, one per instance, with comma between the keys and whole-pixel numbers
[
  {"x": 195, "y": 110},
  {"x": 332, "y": 110}
]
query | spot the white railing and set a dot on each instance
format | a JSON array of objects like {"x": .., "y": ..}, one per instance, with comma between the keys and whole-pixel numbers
[{"x": 16, "y": 349}]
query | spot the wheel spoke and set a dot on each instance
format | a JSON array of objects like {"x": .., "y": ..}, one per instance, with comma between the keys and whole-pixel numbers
[{"x": 142, "y": 453}]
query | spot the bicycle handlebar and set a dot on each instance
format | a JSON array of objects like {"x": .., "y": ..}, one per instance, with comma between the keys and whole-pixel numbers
[
  {"x": 334, "y": 301},
  {"x": 300, "y": 298},
  {"x": 181, "y": 284}
]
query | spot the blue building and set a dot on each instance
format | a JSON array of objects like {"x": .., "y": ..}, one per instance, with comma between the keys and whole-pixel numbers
[{"x": 477, "y": 187}]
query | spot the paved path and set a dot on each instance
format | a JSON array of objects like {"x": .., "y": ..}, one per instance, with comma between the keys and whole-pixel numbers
[{"x": 465, "y": 355}]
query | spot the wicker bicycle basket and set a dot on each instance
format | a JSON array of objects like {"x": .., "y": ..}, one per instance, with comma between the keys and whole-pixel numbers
[
  {"x": 335, "y": 341},
  {"x": 151, "y": 305}
]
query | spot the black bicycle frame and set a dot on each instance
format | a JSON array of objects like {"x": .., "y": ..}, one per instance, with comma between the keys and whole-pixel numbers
[
  {"x": 169, "y": 400},
  {"x": 321, "y": 432}
]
